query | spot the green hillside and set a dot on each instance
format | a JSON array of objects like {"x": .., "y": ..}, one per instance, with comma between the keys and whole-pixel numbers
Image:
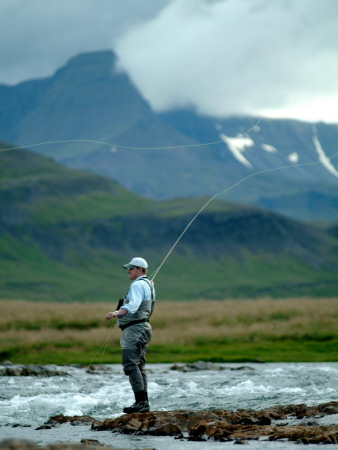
[{"x": 64, "y": 235}]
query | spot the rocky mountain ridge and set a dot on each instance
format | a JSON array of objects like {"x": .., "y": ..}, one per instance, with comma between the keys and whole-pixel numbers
[{"x": 90, "y": 116}]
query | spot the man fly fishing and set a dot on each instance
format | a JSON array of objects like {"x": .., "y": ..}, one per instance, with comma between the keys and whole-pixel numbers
[{"x": 133, "y": 313}]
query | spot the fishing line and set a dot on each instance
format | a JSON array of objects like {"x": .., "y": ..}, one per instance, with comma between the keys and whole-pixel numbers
[
  {"x": 125, "y": 147},
  {"x": 223, "y": 192},
  {"x": 103, "y": 346},
  {"x": 152, "y": 277}
]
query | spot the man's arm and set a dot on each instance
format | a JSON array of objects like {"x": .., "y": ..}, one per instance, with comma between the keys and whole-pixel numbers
[
  {"x": 121, "y": 312},
  {"x": 135, "y": 296}
]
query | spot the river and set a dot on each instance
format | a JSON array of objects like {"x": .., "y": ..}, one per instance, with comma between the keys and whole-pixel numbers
[{"x": 27, "y": 402}]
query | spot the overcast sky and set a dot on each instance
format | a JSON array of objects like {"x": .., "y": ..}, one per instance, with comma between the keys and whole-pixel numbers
[{"x": 277, "y": 58}]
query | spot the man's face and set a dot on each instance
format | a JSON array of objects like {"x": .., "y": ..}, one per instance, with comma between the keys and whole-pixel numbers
[{"x": 134, "y": 273}]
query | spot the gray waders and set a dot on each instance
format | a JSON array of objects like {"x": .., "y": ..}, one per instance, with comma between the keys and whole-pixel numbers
[
  {"x": 134, "y": 342},
  {"x": 136, "y": 334}
]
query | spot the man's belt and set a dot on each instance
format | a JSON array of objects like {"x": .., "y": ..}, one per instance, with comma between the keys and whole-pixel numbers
[{"x": 133, "y": 322}]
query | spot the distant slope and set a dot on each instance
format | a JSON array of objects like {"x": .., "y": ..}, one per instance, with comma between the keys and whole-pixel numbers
[
  {"x": 95, "y": 120},
  {"x": 65, "y": 234},
  {"x": 286, "y": 165}
]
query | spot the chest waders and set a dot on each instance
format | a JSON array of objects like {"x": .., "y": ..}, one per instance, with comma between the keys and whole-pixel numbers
[{"x": 136, "y": 334}]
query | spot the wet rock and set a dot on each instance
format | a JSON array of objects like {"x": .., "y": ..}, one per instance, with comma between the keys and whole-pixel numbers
[
  {"x": 302, "y": 410},
  {"x": 241, "y": 441},
  {"x": 18, "y": 425},
  {"x": 98, "y": 369},
  {"x": 199, "y": 365},
  {"x": 23, "y": 444},
  {"x": 216, "y": 430},
  {"x": 166, "y": 429},
  {"x": 10, "y": 371},
  {"x": 203, "y": 365},
  {"x": 44, "y": 427},
  {"x": 154, "y": 422},
  {"x": 223, "y": 425},
  {"x": 73, "y": 420},
  {"x": 91, "y": 442},
  {"x": 30, "y": 370},
  {"x": 18, "y": 444},
  {"x": 306, "y": 434}
]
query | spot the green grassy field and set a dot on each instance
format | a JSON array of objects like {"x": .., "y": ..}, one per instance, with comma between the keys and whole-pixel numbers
[{"x": 288, "y": 330}]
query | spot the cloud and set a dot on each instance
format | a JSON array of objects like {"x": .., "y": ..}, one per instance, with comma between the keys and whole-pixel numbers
[
  {"x": 238, "y": 57},
  {"x": 39, "y": 36},
  {"x": 223, "y": 57}
]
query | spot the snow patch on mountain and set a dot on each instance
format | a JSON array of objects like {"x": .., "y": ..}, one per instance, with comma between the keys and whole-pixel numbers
[
  {"x": 323, "y": 158},
  {"x": 269, "y": 148},
  {"x": 293, "y": 157},
  {"x": 237, "y": 146}
]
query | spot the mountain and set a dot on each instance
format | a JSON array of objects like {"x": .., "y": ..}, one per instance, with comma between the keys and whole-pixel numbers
[
  {"x": 89, "y": 116},
  {"x": 285, "y": 165},
  {"x": 64, "y": 235}
]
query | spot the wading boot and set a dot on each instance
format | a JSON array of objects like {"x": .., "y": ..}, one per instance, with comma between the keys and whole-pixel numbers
[
  {"x": 142, "y": 406},
  {"x": 141, "y": 403}
]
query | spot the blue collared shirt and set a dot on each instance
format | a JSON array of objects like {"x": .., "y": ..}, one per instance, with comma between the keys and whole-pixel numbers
[{"x": 139, "y": 291}]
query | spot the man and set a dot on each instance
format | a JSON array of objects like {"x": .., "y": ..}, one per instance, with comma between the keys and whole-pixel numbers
[{"x": 133, "y": 314}]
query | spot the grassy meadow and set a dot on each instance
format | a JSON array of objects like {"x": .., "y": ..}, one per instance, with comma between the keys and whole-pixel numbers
[{"x": 289, "y": 330}]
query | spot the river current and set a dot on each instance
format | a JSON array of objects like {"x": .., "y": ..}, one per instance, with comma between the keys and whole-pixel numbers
[{"x": 27, "y": 402}]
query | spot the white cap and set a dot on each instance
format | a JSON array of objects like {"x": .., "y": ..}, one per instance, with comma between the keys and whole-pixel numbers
[{"x": 136, "y": 262}]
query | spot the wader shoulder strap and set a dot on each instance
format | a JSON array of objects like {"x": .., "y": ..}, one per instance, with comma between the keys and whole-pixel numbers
[
  {"x": 150, "y": 285},
  {"x": 152, "y": 293}
]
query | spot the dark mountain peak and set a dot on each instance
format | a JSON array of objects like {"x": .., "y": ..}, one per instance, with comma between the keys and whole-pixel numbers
[
  {"x": 97, "y": 57},
  {"x": 91, "y": 62},
  {"x": 85, "y": 99}
]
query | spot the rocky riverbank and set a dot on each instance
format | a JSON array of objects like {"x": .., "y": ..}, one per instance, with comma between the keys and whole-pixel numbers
[
  {"x": 225, "y": 425},
  {"x": 296, "y": 423}
]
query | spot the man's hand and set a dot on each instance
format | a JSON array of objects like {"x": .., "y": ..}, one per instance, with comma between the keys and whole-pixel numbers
[{"x": 111, "y": 315}]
